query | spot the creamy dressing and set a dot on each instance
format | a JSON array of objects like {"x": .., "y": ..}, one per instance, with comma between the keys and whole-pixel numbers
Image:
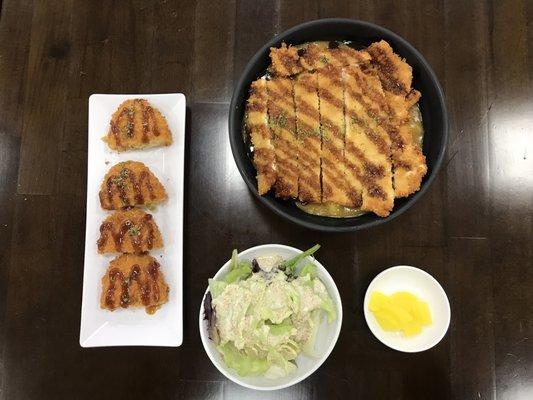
[{"x": 242, "y": 305}]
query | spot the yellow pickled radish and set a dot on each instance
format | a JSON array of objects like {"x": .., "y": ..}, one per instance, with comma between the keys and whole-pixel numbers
[
  {"x": 401, "y": 311},
  {"x": 377, "y": 300},
  {"x": 403, "y": 299},
  {"x": 412, "y": 329},
  {"x": 422, "y": 313},
  {"x": 388, "y": 323}
]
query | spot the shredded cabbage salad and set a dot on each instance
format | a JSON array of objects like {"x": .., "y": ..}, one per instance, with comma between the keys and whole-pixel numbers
[{"x": 264, "y": 313}]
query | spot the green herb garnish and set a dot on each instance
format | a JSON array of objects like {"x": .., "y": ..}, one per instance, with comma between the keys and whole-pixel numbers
[
  {"x": 309, "y": 132},
  {"x": 279, "y": 120},
  {"x": 133, "y": 231},
  {"x": 128, "y": 130}
]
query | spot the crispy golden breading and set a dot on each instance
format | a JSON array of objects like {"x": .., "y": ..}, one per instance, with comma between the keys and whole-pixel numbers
[
  {"x": 368, "y": 144},
  {"x": 396, "y": 77},
  {"x": 129, "y": 231},
  {"x": 339, "y": 126},
  {"x": 282, "y": 121},
  {"x": 309, "y": 137},
  {"x": 134, "y": 281},
  {"x": 256, "y": 125},
  {"x": 335, "y": 186},
  {"x": 319, "y": 55},
  {"x": 284, "y": 61},
  {"x": 136, "y": 124},
  {"x": 128, "y": 184}
]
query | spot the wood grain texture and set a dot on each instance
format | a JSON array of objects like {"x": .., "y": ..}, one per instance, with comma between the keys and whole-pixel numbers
[
  {"x": 511, "y": 195},
  {"x": 214, "y": 40},
  {"x": 467, "y": 70},
  {"x": 472, "y": 230}
]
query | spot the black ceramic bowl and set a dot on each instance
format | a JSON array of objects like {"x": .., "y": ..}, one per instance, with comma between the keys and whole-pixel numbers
[{"x": 432, "y": 107}]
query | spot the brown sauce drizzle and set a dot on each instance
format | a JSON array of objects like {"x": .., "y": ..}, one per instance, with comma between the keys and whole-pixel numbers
[
  {"x": 137, "y": 189},
  {"x": 145, "y": 178},
  {"x": 121, "y": 190},
  {"x": 146, "y": 288},
  {"x": 116, "y": 133},
  {"x": 150, "y": 238},
  {"x": 106, "y": 229},
  {"x": 149, "y": 120},
  {"x": 145, "y": 123},
  {"x": 115, "y": 126},
  {"x": 118, "y": 182}
]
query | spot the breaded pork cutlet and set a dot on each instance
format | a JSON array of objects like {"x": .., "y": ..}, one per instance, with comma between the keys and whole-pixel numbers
[
  {"x": 256, "y": 125},
  {"x": 368, "y": 144},
  {"x": 335, "y": 188},
  {"x": 134, "y": 281},
  {"x": 284, "y": 61},
  {"x": 129, "y": 184},
  {"x": 309, "y": 137},
  {"x": 282, "y": 122},
  {"x": 136, "y": 124},
  {"x": 396, "y": 78},
  {"x": 323, "y": 54},
  {"x": 129, "y": 231}
]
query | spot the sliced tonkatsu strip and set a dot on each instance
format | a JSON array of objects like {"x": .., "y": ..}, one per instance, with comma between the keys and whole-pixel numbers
[
  {"x": 335, "y": 187},
  {"x": 130, "y": 231},
  {"x": 260, "y": 136},
  {"x": 309, "y": 140},
  {"x": 282, "y": 122},
  {"x": 322, "y": 54},
  {"x": 284, "y": 61},
  {"x": 396, "y": 77},
  {"x": 368, "y": 144},
  {"x": 128, "y": 184},
  {"x": 134, "y": 281},
  {"x": 136, "y": 124}
]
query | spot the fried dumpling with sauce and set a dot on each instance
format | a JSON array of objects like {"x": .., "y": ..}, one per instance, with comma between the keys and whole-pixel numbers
[
  {"x": 136, "y": 124},
  {"x": 134, "y": 281},
  {"x": 129, "y": 184},
  {"x": 129, "y": 231}
]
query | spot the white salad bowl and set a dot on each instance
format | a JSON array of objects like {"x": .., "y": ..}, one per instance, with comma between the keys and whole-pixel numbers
[
  {"x": 422, "y": 285},
  {"x": 327, "y": 334}
]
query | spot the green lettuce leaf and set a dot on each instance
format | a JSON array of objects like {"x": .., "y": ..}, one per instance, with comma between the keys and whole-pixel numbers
[
  {"x": 244, "y": 365},
  {"x": 241, "y": 271},
  {"x": 309, "y": 347},
  {"x": 216, "y": 287},
  {"x": 285, "y": 328},
  {"x": 308, "y": 269},
  {"x": 290, "y": 265},
  {"x": 328, "y": 306}
]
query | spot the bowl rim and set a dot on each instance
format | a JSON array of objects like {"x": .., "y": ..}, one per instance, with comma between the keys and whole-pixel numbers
[
  {"x": 319, "y": 361},
  {"x": 440, "y": 290},
  {"x": 233, "y": 124}
]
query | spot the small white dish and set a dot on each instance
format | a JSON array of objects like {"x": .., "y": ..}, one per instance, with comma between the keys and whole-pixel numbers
[
  {"x": 134, "y": 327},
  {"x": 422, "y": 285},
  {"x": 326, "y": 337}
]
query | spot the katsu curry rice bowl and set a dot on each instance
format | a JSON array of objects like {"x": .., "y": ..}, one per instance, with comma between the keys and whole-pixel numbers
[{"x": 338, "y": 125}]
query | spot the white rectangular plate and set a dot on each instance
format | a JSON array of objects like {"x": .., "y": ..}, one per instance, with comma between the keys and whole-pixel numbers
[{"x": 134, "y": 327}]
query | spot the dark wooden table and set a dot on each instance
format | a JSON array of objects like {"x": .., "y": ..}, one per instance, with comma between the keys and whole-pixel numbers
[{"x": 472, "y": 230}]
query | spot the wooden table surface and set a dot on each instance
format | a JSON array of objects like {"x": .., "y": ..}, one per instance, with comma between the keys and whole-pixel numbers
[{"x": 472, "y": 230}]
